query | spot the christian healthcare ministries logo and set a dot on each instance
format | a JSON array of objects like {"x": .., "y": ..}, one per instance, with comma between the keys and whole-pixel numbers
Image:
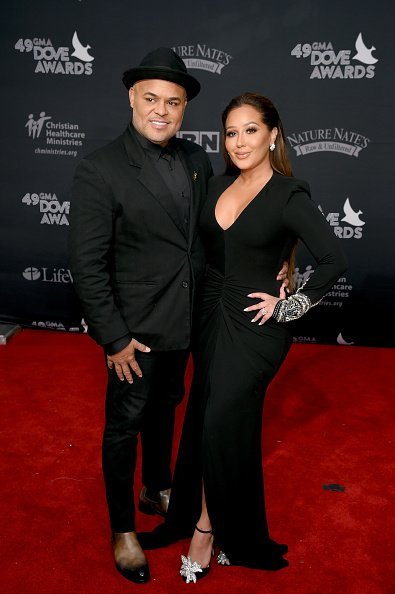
[
  {"x": 203, "y": 57},
  {"x": 328, "y": 63},
  {"x": 350, "y": 226},
  {"x": 52, "y": 210},
  {"x": 338, "y": 140},
  {"x": 49, "y": 134},
  {"x": 49, "y": 59},
  {"x": 340, "y": 291}
]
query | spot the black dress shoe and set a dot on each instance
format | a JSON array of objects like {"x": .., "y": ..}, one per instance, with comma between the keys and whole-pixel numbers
[
  {"x": 138, "y": 576},
  {"x": 264, "y": 558},
  {"x": 154, "y": 502},
  {"x": 162, "y": 536},
  {"x": 129, "y": 557}
]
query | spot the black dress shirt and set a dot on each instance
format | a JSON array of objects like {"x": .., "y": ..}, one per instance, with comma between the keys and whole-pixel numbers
[{"x": 168, "y": 163}]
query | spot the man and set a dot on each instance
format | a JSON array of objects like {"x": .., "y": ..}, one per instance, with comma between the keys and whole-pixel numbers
[{"x": 136, "y": 260}]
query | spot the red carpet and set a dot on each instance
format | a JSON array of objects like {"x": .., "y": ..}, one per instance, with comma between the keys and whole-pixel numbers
[{"x": 327, "y": 421}]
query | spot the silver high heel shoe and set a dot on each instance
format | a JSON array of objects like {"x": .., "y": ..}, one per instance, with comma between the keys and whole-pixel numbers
[{"x": 191, "y": 571}]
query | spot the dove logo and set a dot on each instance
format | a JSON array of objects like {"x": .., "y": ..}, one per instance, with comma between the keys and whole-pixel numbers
[
  {"x": 364, "y": 54},
  {"x": 351, "y": 216},
  {"x": 341, "y": 340},
  {"x": 53, "y": 212},
  {"x": 328, "y": 63},
  {"x": 80, "y": 51},
  {"x": 49, "y": 59}
]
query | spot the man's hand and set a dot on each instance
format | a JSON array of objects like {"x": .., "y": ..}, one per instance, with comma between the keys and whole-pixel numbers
[
  {"x": 125, "y": 361},
  {"x": 282, "y": 275}
]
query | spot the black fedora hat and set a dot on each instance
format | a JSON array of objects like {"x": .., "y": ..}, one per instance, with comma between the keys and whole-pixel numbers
[{"x": 164, "y": 64}]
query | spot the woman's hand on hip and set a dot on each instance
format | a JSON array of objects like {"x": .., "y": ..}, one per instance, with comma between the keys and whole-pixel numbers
[{"x": 266, "y": 305}]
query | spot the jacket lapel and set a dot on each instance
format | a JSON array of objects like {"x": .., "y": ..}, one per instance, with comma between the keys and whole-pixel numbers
[
  {"x": 151, "y": 179},
  {"x": 194, "y": 184}
]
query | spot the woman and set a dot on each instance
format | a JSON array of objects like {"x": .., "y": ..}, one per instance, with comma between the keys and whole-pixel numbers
[{"x": 250, "y": 223}]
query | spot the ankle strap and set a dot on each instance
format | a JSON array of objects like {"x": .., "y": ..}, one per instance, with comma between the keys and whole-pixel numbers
[{"x": 203, "y": 531}]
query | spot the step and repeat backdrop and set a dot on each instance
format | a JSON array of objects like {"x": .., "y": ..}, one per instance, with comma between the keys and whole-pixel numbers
[{"x": 329, "y": 69}]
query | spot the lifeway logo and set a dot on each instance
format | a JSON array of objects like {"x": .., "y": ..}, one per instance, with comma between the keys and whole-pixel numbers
[
  {"x": 52, "y": 210},
  {"x": 49, "y": 59},
  {"x": 335, "y": 297},
  {"x": 202, "y": 57},
  {"x": 328, "y": 63},
  {"x": 338, "y": 140},
  {"x": 55, "y": 134},
  {"x": 208, "y": 140},
  {"x": 349, "y": 226},
  {"x": 46, "y": 275}
]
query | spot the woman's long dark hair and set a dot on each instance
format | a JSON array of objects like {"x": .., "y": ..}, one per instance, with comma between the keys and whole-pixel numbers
[{"x": 279, "y": 159}]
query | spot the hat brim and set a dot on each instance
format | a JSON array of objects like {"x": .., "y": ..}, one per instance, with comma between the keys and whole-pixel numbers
[{"x": 188, "y": 82}]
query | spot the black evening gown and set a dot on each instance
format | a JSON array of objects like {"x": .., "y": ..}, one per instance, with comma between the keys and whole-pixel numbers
[{"x": 235, "y": 360}]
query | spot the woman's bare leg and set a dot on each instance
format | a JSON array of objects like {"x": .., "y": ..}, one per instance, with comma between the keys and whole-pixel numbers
[{"x": 200, "y": 548}]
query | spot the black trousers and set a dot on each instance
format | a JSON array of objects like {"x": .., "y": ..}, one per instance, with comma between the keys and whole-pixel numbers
[{"x": 148, "y": 407}]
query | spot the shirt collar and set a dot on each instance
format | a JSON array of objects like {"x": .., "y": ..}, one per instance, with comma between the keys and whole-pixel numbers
[{"x": 155, "y": 150}]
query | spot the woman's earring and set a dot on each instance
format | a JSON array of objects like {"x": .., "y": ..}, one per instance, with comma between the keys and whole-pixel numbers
[{"x": 272, "y": 146}]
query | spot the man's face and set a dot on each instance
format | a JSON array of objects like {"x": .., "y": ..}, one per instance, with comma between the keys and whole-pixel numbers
[{"x": 158, "y": 108}]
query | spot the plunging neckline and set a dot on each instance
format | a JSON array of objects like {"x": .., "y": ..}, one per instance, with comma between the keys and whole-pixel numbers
[{"x": 246, "y": 206}]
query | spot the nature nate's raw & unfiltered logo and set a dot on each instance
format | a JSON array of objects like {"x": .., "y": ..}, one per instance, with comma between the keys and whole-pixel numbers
[
  {"x": 338, "y": 140},
  {"x": 202, "y": 57}
]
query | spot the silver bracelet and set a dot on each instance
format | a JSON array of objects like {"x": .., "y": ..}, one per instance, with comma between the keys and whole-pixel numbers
[{"x": 292, "y": 308}]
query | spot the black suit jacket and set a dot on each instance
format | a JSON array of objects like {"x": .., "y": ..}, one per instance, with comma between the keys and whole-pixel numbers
[{"x": 133, "y": 266}]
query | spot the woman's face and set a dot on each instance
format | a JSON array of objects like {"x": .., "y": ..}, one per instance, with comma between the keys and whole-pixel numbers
[{"x": 247, "y": 138}]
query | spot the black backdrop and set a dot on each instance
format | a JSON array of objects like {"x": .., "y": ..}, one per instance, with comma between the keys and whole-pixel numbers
[{"x": 62, "y": 99}]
